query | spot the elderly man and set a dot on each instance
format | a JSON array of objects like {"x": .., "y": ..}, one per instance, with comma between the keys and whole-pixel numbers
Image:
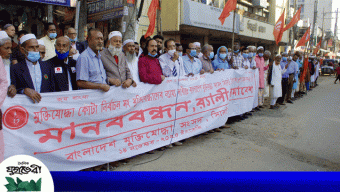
[
  {"x": 3, "y": 88},
  {"x": 296, "y": 76},
  {"x": 262, "y": 68},
  {"x": 149, "y": 69},
  {"x": 199, "y": 54},
  {"x": 172, "y": 65},
  {"x": 32, "y": 76},
  {"x": 5, "y": 52},
  {"x": 114, "y": 61},
  {"x": 64, "y": 67},
  {"x": 159, "y": 39},
  {"x": 252, "y": 55},
  {"x": 42, "y": 49},
  {"x": 267, "y": 61},
  {"x": 10, "y": 30},
  {"x": 49, "y": 40},
  {"x": 192, "y": 65},
  {"x": 131, "y": 59},
  {"x": 89, "y": 68},
  {"x": 235, "y": 58},
  {"x": 17, "y": 55},
  {"x": 77, "y": 47},
  {"x": 206, "y": 59}
]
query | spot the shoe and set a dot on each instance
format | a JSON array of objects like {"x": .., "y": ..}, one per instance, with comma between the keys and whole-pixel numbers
[
  {"x": 257, "y": 109},
  {"x": 248, "y": 113},
  {"x": 245, "y": 117},
  {"x": 276, "y": 107},
  {"x": 211, "y": 131},
  {"x": 260, "y": 106},
  {"x": 150, "y": 152},
  {"x": 169, "y": 146},
  {"x": 217, "y": 130},
  {"x": 282, "y": 103},
  {"x": 177, "y": 143},
  {"x": 252, "y": 111},
  {"x": 98, "y": 168},
  {"x": 206, "y": 133},
  {"x": 289, "y": 101},
  {"x": 161, "y": 149},
  {"x": 224, "y": 126},
  {"x": 271, "y": 107}
]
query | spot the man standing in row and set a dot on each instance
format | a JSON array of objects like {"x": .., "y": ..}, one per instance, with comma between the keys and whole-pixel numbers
[
  {"x": 159, "y": 39},
  {"x": 17, "y": 56},
  {"x": 49, "y": 40},
  {"x": 208, "y": 55},
  {"x": 77, "y": 47},
  {"x": 131, "y": 59},
  {"x": 114, "y": 61},
  {"x": 192, "y": 65}
]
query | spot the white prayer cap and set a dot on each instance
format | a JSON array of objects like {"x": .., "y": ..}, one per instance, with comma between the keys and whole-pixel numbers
[
  {"x": 277, "y": 55},
  {"x": 128, "y": 41},
  {"x": 27, "y": 37},
  {"x": 115, "y": 33},
  {"x": 41, "y": 42},
  {"x": 3, "y": 35},
  {"x": 260, "y": 48},
  {"x": 197, "y": 44}
]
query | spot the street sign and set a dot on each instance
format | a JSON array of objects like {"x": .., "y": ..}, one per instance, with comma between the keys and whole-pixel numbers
[
  {"x": 54, "y": 2},
  {"x": 101, "y": 10}
]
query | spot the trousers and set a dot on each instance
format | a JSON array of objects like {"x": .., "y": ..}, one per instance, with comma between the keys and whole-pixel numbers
[
  {"x": 261, "y": 96},
  {"x": 284, "y": 90}
]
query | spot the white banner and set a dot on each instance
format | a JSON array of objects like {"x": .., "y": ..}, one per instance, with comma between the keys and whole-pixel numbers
[{"x": 70, "y": 131}]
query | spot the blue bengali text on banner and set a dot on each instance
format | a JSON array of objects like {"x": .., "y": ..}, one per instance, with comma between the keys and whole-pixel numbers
[{"x": 70, "y": 131}]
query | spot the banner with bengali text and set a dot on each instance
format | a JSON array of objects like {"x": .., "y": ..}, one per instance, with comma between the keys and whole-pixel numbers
[{"x": 70, "y": 131}]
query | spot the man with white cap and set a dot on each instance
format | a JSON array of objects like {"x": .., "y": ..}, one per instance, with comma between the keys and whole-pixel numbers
[
  {"x": 32, "y": 76},
  {"x": 198, "y": 49},
  {"x": 131, "y": 58},
  {"x": 5, "y": 52},
  {"x": 260, "y": 64},
  {"x": 172, "y": 65},
  {"x": 42, "y": 49},
  {"x": 64, "y": 66},
  {"x": 114, "y": 61},
  {"x": 49, "y": 40},
  {"x": 89, "y": 69}
]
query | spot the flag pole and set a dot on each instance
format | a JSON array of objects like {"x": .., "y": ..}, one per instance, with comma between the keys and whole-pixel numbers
[{"x": 233, "y": 31}]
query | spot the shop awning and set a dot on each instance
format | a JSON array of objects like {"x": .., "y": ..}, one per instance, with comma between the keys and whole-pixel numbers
[{"x": 68, "y": 3}]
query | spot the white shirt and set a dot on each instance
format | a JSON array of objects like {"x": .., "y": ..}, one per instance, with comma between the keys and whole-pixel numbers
[
  {"x": 7, "y": 64},
  {"x": 50, "y": 48},
  {"x": 133, "y": 66},
  {"x": 69, "y": 77},
  {"x": 75, "y": 56},
  {"x": 168, "y": 65},
  {"x": 36, "y": 74}
]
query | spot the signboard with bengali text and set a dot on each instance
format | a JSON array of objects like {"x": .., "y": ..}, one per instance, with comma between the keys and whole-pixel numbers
[{"x": 101, "y": 10}]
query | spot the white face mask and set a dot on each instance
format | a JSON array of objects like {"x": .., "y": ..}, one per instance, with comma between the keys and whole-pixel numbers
[
  {"x": 172, "y": 52},
  {"x": 114, "y": 50}
]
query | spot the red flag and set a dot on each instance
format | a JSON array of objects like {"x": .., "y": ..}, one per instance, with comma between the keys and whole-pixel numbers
[
  {"x": 131, "y": 1},
  {"x": 278, "y": 29},
  {"x": 294, "y": 20},
  {"x": 305, "y": 65},
  {"x": 152, "y": 17},
  {"x": 317, "y": 47},
  {"x": 305, "y": 38},
  {"x": 228, "y": 7}
]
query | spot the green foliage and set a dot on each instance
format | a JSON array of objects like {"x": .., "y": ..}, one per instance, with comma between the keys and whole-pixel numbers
[{"x": 23, "y": 185}]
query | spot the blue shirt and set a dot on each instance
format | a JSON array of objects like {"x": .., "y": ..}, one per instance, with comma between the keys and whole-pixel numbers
[
  {"x": 218, "y": 63},
  {"x": 290, "y": 69},
  {"x": 36, "y": 75},
  {"x": 194, "y": 67},
  {"x": 90, "y": 67}
]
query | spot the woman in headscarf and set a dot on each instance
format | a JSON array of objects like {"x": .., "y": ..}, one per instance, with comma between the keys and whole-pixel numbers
[{"x": 220, "y": 63}]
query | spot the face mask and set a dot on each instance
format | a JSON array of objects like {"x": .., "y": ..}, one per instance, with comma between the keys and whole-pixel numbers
[
  {"x": 261, "y": 54},
  {"x": 193, "y": 53},
  {"x": 290, "y": 58},
  {"x": 33, "y": 56},
  {"x": 171, "y": 52},
  {"x": 211, "y": 55},
  {"x": 62, "y": 56},
  {"x": 152, "y": 55},
  {"x": 53, "y": 35},
  {"x": 236, "y": 51},
  {"x": 73, "y": 40},
  {"x": 284, "y": 58},
  {"x": 245, "y": 55},
  {"x": 223, "y": 56},
  {"x": 180, "y": 54}
]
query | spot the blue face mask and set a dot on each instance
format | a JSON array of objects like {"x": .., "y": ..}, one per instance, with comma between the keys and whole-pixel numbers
[
  {"x": 62, "y": 56},
  {"x": 223, "y": 56},
  {"x": 261, "y": 54},
  {"x": 52, "y": 35},
  {"x": 73, "y": 40},
  {"x": 152, "y": 55},
  {"x": 211, "y": 55},
  {"x": 33, "y": 56},
  {"x": 193, "y": 53},
  {"x": 284, "y": 58},
  {"x": 180, "y": 54},
  {"x": 236, "y": 51},
  {"x": 245, "y": 55},
  {"x": 251, "y": 54}
]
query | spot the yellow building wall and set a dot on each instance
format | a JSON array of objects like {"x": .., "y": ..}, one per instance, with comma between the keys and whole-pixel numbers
[
  {"x": 144, "y": 21},
  {"x": 170, "y": 15}
]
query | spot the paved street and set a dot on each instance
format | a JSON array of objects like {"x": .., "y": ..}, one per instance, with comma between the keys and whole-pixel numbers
[{"x": 299, "y": 137}]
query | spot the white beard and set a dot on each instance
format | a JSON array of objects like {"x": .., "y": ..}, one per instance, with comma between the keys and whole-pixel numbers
[
  {"x": 114, "y": 50},
  {"x": 130, "y": 57}
]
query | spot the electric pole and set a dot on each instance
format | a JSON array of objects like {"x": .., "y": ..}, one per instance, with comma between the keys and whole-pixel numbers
[
  {"x": 292, "y": 45},
  {"x": 335, "y": 29},
  {"x": 314, "y": 22},
  {"x": 323, "y": 20}
]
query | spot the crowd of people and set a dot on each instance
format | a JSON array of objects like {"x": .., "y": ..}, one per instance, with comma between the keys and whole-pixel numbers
[{"x": 54, "y": 64}]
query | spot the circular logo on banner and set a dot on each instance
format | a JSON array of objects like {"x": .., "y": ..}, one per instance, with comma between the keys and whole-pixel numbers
[
  {"x": 25, "y": 173},
  {"x": 15, "y": 117}
]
